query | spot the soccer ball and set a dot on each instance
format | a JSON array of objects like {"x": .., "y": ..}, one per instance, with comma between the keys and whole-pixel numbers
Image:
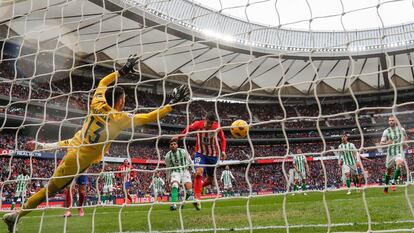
[{"x": 239, "y": 129}]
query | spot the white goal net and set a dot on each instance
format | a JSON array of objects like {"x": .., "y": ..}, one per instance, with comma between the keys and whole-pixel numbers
[{"x": 327, "y": 96}]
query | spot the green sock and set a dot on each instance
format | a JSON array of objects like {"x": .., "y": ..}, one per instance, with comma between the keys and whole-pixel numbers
[
  {"x": 103, "y": 199},
  {"x": 12, "y": 206},
  {"x": 303, "y": 187},
  {"x": 387, "y": 178},
  {"x": 348, "y": 182},
  {"x": 174, "y": 194},
  {"x": 396, "y": 175},
  {"x": 295, "y": 188}
]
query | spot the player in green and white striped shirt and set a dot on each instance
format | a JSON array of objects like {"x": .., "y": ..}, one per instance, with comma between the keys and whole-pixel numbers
[
  {"x": 179, "y": 161},
  {"x": 226, "y": 178},
  {"x": 157, "y": 186},
  {"x": 301, "y": 168},
  {"x": 108, "y": 178},
  {"x": 396, "y": 139},
  {"x": 21, "y": 187},
  {"x": 348, "y": 159}
]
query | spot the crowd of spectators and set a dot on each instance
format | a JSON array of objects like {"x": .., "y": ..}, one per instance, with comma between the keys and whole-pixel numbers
[
  {"x": 150, "y": 149},
  {"x": 76, "y": 92}
]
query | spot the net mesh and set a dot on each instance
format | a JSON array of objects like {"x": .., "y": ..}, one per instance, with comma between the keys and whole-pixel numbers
[{"x": 296, "y": 89}]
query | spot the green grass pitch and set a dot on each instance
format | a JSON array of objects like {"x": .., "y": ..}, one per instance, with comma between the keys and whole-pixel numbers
[{"x": 304, "y": 214}]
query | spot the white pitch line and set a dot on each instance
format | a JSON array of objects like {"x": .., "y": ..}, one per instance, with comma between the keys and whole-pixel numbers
[{"x": 284, "y": 227}]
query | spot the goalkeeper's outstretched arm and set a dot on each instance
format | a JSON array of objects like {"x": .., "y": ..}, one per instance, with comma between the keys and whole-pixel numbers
[
  {"x": 48, "y": 146},
  {"x": 179, "y": 94}
]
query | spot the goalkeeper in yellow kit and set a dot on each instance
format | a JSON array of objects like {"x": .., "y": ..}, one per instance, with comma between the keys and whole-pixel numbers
[{"x": 104, "y": 123}]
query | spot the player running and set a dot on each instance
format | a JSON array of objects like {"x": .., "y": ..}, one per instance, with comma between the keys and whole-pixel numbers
[
  {"x": 104, "y": 123},
  {"x": 226, "y": 178},
  {"x": 126, "y": 176},
  {"x": 157, "y": 186},
  {"x": 348, "y": 157},
  {"x": 208, "y": 150},
  {"x": 301, "y": 168},
  {"x": 21, "y": 188},
  {"x": 108, "y": 178},
  {"x": 179, "y": 161},
  {"x": 396, "y": 139}
]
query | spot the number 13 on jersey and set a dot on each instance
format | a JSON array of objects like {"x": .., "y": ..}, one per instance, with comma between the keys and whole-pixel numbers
[{"x": 94, "y": 130}]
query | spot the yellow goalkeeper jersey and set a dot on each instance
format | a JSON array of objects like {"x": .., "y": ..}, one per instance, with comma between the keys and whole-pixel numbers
[{"x": 105, "y": 124}]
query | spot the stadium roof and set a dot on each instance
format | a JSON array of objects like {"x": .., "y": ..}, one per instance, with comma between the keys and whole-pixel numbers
[
  {"x": 182, "y": 40},
  {"x": 317, "y": 14}
]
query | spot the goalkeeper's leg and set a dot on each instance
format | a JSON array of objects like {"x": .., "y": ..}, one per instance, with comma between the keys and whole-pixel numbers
[{"x": 62, "y": 177}]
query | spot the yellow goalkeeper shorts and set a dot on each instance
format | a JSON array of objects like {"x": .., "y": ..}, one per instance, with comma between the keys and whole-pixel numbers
[{"x": 70, "y": 167}]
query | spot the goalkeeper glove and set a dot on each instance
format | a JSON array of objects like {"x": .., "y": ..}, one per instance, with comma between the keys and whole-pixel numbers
[
  {"x": 129, "y": 65},
  {"x": 180, "y": 94}
]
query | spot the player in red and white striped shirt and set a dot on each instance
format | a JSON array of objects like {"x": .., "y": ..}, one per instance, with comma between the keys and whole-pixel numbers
[
  {"x": 208, "y": 149},
  {"x": 127, "y": 175}
]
